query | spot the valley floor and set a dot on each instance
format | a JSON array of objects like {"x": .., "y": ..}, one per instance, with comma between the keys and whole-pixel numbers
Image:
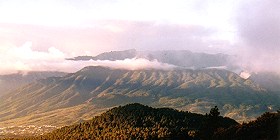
[{"x": 30, "y": 130}]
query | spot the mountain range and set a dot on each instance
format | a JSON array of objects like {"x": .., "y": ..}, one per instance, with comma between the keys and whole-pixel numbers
[
  {"x": 10, "y": 82},
  {"x": 181, "y": 58},
  {"x": 268, "y": 80},
  {"x": 192, "y": 60},
  {"x": 78, "y": 96},
  {"x": 198, "y": 82}
]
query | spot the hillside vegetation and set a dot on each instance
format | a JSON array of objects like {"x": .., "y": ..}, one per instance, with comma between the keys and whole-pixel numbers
[
  {"x": 265, "y": 127},
  {"x": 136, "y": 121}
]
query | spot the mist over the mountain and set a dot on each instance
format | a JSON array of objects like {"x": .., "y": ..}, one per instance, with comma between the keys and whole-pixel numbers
[
  {"x": 190, "y": 55},
  {"x": 248, "y": 30},
  {"x": 13, "y": 81},
  {"x": 248, "y": 54},
  {"x": 180, "y": 58},
  {"x": 258, "y": 28},
  {"x": 94, "y": 89},
  {"x": 268, "y": 80},
  {"x": 134, "y": 59},
  {"x": 54, "y": 60}
]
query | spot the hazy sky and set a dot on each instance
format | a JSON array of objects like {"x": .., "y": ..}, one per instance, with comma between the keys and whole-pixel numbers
[{"x": 41, "y": 33}]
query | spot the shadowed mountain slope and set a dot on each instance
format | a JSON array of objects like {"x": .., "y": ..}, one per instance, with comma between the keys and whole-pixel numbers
[
  {"x": 265, "y": 127},
  {"x": 269, "y": 80},
  {"x": 191, "y": 60},
  {"x": 11, "y": 82},
  {"x": 100, "y": 88}
]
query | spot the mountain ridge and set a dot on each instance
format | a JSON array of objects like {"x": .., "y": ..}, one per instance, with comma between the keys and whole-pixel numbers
[
  {"x": 101, "y": 88},
  {"x": 181, "y": 58},
  {"x": 193, "y": 60},
  {"x": 21, "y": 79}
]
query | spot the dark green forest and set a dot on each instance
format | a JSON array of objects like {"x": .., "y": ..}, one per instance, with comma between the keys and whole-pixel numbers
[
  {"x": 136, "y": 121},
  {"x": 265, "y": 127}
]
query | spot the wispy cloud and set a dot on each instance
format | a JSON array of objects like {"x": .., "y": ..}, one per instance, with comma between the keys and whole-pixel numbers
[
  {"x": 131, "y": 64},
  {"x": 115, "y": 35},
  {"x": 25, "y": 59},
  {"x": 258, "y": 26},
  {"x": 249, "y": 29}
]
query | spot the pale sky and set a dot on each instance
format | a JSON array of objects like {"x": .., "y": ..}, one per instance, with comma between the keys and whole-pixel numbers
[{"x": 47, "y": 31}]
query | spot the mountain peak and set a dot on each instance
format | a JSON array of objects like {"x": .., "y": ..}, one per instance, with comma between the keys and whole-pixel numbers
[{"x": 91, "y": 68}]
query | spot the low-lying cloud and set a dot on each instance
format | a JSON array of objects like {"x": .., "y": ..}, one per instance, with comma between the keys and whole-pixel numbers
[
  {"x": 257, "y": 25},
  {"x": 132, "y": 64},
  {"x": 24, "y": 59}
]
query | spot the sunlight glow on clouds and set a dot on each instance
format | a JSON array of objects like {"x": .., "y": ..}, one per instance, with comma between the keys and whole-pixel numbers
[
  {"x": 81, "y": 13},
  {"x": 68, "y": 28},
  {"x": 87, "y": 15},
  {"x": 24, "y": 59},
  {"x": 25, "y": 52},
  {"x": 132, "y": 64}
]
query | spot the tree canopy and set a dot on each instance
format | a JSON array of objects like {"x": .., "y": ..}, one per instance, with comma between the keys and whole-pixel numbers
[{"x": 136, "y": 121}]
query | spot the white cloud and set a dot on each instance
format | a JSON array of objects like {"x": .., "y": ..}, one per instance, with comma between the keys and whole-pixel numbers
[
  {"x": 24, "y": 58},
  {"x": 245, "y": 74},
  {"x": 79, "y": 13},
  {"x": 25, "y": 53},
  {"x": 132, "y": 64},
  {"x": 249, "y": 28}
]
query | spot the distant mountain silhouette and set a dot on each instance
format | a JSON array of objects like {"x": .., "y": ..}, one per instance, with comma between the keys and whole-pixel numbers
[
  {"x": 113, "y": 55},
  {"x": 191, "y": 60},
  {"x": 182, "y": 58}
]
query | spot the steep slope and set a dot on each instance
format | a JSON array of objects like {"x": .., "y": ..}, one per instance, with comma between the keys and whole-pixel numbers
[
  {"x": 99, "y": 88},
  {"x": 135, "y": 121},
  {"x": 269, "y": 80},
  {"x": 192, "y": 60},
  {"x": 13, "y": 81}
]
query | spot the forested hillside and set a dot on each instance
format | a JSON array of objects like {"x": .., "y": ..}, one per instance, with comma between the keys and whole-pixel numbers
[
  {"x": 265, "y": 127},
  {"x": 136, "y": 121}
]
